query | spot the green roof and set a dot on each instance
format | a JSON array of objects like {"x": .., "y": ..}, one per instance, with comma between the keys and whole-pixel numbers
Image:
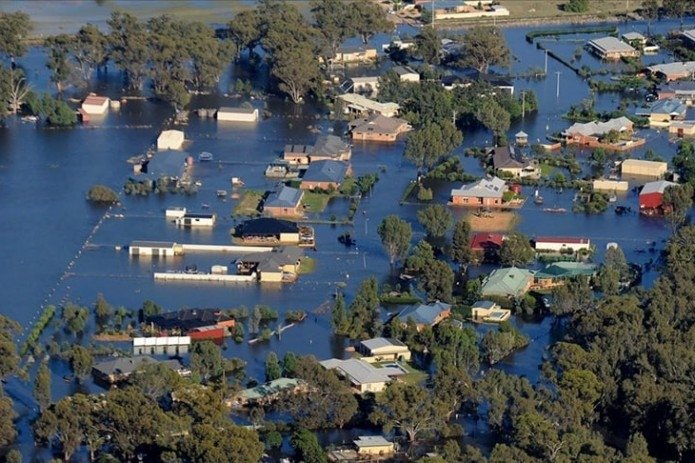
[
  {"x": 566, "y": 270},
  {"x": 273, "y": 387},
  {"x": 510, "y": 281}
]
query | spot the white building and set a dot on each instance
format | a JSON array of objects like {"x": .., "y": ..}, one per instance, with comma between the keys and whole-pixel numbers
[
  {"x": 561, "y": 243},
  {"x": 175, "y": 212},
  {"x": 95, "y": 104},
  {"x": 155, "y": 248},
  {"x": 229, "y": 114},
  {"x": 406, "y": 74},
  {"x": 161, "y": 345},
  {"x": 360, "y": 104},
  {"x": 170, "y": 140},
  {"x": 365, "y": 84},
  {"x": 363, "y": 376},
  {"x": 196, "y": 220}
]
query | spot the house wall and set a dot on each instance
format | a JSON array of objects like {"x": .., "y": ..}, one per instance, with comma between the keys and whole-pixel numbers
[
  {"x": 414, "y": 77},
  {"x": 371, "y": 387},
  {"x": 271, "y": 277},
  {"x": 302, "y": 159},
  {"x": 374, "y": 136},
  {"x": 237, "y": 117},
  {"x": 171, "y": 142},
  {"x": 309, "y": 185},
  {"x": 471, "y": 201},
  {"x": 282, "y": 211},
  {"x": 195, "y": 222},
  {"x": 645, "y": 171},
  {"x": 94, "y": 109},
  {"x": 151, "y": 251},
  {"x": 289, "y": 237},
  {"x": 680, "y": 131},
  {"x": 557, "y": 247},
  {"x": 376, "y": 450},
  {"x": 216, "y": 333}
]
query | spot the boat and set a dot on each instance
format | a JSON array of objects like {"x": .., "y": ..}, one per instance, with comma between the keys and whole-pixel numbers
[
  {"x": 537, "y": 198},
  {"x": 205, "y": 206},
  {"x": 30, "y": 119},
  {"x": 236, "y": 181},
  {"x": 205, "y": 156},
  {"x": 221, "y": 193},
  {"x": 613, "y": 198},
  {"x": 556, "y": 210}
]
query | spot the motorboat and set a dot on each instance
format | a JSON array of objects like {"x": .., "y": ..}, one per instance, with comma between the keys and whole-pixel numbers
[{"x": 205, "y": 156}]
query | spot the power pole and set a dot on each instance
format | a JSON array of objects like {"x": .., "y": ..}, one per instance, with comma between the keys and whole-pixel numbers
[
  {"x": 523, "y": 103},
  {"x": 453, "y": 117},
  {"x": 557, "y": 95},
  {"x": 546, "y": 63},
  {"x": 432, "y": 14}
]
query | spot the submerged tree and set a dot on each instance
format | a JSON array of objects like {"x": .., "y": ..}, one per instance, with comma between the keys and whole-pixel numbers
[
  {"x": 484, "y": 46},
  {"x": 395, "y": 234}
]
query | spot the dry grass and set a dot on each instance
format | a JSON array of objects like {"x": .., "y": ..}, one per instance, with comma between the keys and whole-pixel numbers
[
  {"x": 550, "y": 8},
  {"x": 491, "y": 222}
]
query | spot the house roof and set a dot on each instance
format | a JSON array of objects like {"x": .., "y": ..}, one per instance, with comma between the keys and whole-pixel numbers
[
  {"x": 360, "y": 372},
  {"x": 611, "y": 45},
  {"x": 656, "y": 187},
  {"x": 521, "y": 133},
  {"x": 644, "y": 164},
  {"x": 670, "y": 106},
  {"x": 689, "y": 34},
  {"x": 511, "y": 281},
  {"x": 362, "y": 102},
  {"x": 482, "y": 241},
  {"x": 365, "y": 80},
  {"x": 561, "y": 239},
  {"x": 265, "y": 226},
  {"x": 162, "y": 341},
  {"x": 270, "y": 388},
  {"x": 424, "y": 314},
  {"x": 504, "y": 157},
  {"x": 127, "y": 365},
  {"x": 566, "y": 270},
  {"x": 285, "y": 197},
  {"x": 329, "y": 146},
  {"x": 633, "y": 36},
  {"x": 326, "y": 171},
  {"x": 298, "y": 149},
  {"x": 95, "y": 100},
  {"x": 187, "y": 319},
  {"x": 600, "y": 128},
  {"x": 484, "y": 188},
  {"x": 168, "y": 163},
  {"x": 403, "y": 70},
  {"x": 377, "y": 123},
  {"x": 487, "y": 305},
  {"x": 676, "y": 68},
  {"x": 678, "y": 86},
  {"x": 371, "y": 441},
  {"x": 236, "y": 110},
  {"x": 378, "y": 343}
]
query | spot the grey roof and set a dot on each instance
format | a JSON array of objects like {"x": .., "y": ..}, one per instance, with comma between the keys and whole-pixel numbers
[
  {"x": 633, "y": 36},
  {"x": 371, "y": 441},
  {"x": 329, "y": 146},
  {"x": 504, "y": 157},
  {"x": 424, "y": 314},
  {"x": 326, "y": 171},
  {"x": 270, "y": 388},
  {"x": 689, "y": 34},
  {"x": 284, "y": 197},
  {"x": 377, "y": 123},
  {"x": 484, "y": 188},
  {"x": 484, "y": 305},
  {"x": 611, "y": 44},
  {"x": 298, "y": 149},
  {"x": 679, "y": 67},
  {"x": 403, "y": 70},
  {"x": 680, "y": 86},
  {"x": 167, "y": 163},
  {"x": 127, "y": 365},
  {"x": 360, "y": 372},
  {"x": 521, "y": 133},
  {"x": 656, "y": 187},
  {"x": 600, "y": 128},
  {"x": 670, "y": 106},
  {"x": 377, "y": 343}
]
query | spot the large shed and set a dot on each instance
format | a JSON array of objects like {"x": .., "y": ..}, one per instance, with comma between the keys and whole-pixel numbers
[
  {"x": 170, "y": 140},
  {"x": 642, "y": 168}
]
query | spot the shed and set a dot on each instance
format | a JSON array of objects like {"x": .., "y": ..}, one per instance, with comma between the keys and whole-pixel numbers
[
  {"x": 406, "y": 74},
  {"x": 373, "y": 445},
  {"x": 378, "y": 128},
  {"x": 521, "y": 138},
  {"x": 196, "y": 220},
  {"x": 155, "y": 248},
  {"x": 651, "y": 197},
  {"x": 170, "y": 140},
  {"x": 237, "y": 114},
  {"x": 95, "y": 104},
  {"x": 642, "y": 168},
  {"x": 561, "y": 243}
]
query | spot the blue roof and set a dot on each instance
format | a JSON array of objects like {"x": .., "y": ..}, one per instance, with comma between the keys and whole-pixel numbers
[
  {"x": 424, "y": 314},
  {"x": 285, "y": 197},
  {"x": 326, "y": 171},
  {"x": 671, "y": 106}
]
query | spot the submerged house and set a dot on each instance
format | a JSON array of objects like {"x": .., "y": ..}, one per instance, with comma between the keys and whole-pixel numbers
[
  {"x": 591, "y": 133},
  {"x": 280, "y": 265},
  {"x": 662, "y": 112},
  {"x": 284, "y": 202},
  {"x": 120, "y": 369},
  {"x": 325, "y": 175},
  {"x": 651, "y": 197},
  {"x": 642, "y": 168},
  {"x": 170, "y": 140},
  {"x": 378, "y": 128},
  {"x": 486, "y": 192},
  {"x": 350, "y": 55},
  {"x": 511, "y": 282},
  {"x": 196, "y": 220},
  {"x": 489, "y": 312},
  {"x": 269, "y": 231},
  {"x": 611, "y": 48},
  {"x": 363, "y": 376},
  {"x": 561, "y": 244},
  {"x": 487, "y": 245},
  {"x": 237, "y": 114},
  {"x": 426, "y": 314},
  {"x": 505, "y": 160},
  {"x": 672, "y": 71},
  {"x": 558, "y": 273},
  {"x": 358, "y": 104},
  {"x": 383, "y": 349},
  {"x": 95, "y": 105}
]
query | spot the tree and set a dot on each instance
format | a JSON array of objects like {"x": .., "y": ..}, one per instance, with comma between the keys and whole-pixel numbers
[
  {"x": 677, "y": 202},
  {"x": 42, "y": 387},
  {"x": 89, "y": 50},
  {"x": 333, "y": 21},
  {"x": 494, "y": 117},
  {"x": 368, "y": 19},
  {"x": 206, "y": 362},
  {"x": 272, "y": 367},
  {"x": 676, "y": 9},
  {"x": 461, "y": 243},
  {"x": 17, "y": 88},
  {"x": 577, "y": 6},
  {"x": 13, "y": 456},
  {"x": 436, "y": 219},
  {"x": 207, "y": 53},
  {"x": 516, "y": 250},
  {"x": 395, "y": 234},
  {"x": 307, "y": 446},
  {"x": 102, "y": 194},
  {"x": 421, "y": 258},
  {"x": 8, "y": 430},
  {"x": 255, "y": 320},
  {"x": 9, "y": 360},
  {"x": 289, "y": 364},
  {"x": 406, "y": 407},
  {"x": 81, "y": 361},
  {"x": 155, "y": 380},
  {"x": 220, "y": 444},
  {"x": 245, "y": 30},
  {"x": 14, "y": 29},
  {"x": 437, "y": 280},
  {"x": 484, "y": 46},
  {"x": 637, "y": 450},
  {"x": 650, "y": 10},
  {"x": 128, "y": 43},
  {"x": 339, "y": 320},
  {"x": 150, "y": 309},
  {"x": 75, "y": 318},
  {"x": 364, "y": 316},
  {"x": 58, "y": 55},
  {"x": 426, "y": 146},
  {"x": 428, "y": 45}
]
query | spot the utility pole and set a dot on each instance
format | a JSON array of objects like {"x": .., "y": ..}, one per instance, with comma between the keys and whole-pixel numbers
[
  {"x": 558, "y": 84},
  {"x": 523, "y": 103},
  {"x": 546, "y": 62},
  {"x": 432, "y": 14},
  {"x": 453, "y": 117}
]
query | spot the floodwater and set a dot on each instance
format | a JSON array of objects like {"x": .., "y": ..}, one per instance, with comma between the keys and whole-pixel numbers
[{"x": 59, "y": 247}]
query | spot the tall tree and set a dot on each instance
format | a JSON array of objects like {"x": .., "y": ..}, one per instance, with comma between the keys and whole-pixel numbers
[
  {"x": 9, "y": 360},
  {"x": 61, "y": 423},
  {"x": 436, "y": 219},
  {"x": 273, "y": 370},
  {"x": 219, "y": 444},
  {"x": 89, "y": 50},
  {"x": 364, "y": 315},
  {"x": 58, "y": 60},
  {"x": 650, "y": 10},
  {"x": 168, "y": 55},
  {"x": 42, "y": 387},
  {"x": 81, "y": 361},
  {"x": 8, "y": 430},
  {"x": 339, "y": 320},
  {"x": 307, "y": 446},
  {"x": 461, "y": 243},
  {"x": 245, "y": 30},
  {"x": 426, "y": 146},
  {"x": 484, "y": 46},
  {"x": 437, "y": 280},
  {"x": 494, "y": 117},
  {"x": 206, "y": 362},
  {"x": 408, "y": 408},
  {"x": 14, "y": 29},
  {"x": 128, "y": 43},
  {"x": 14, "y": 89},
  {"x": 676, "y": 9},
  {"x": 395, "y": 234},
  {"x": 516, "y": 250},
  {"x": 368, "y": 19},
  {"x": 207, "y": 53},
  {"x": 678, "y": 200},
  {"x": 333, "y": 21},
  {"x": 428, "y": 45}
]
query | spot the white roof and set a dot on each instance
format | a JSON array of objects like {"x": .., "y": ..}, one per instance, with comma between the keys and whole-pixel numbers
[
  {"x": 378, "y": 343},
  {"x": 161, "y": 341},
  {"x": 656, "y": 187},
  {"x": 370, "y": 105},
  {"x": 360, "y": 372},
  {"x": 659, "y": 165},
  {"x": 679, "y": 67},
  {"x": 611, "y": 44},
  {"x": 689, "y": 34},
  {"x": 619, "y": 124},
  {"x": 365, "y": 79},
  {"x": 171, "y": 135},
  {"x": 484, "y": 188},
  {"x": 633, "y": 36},
  {"x": 371, "y": 441}
]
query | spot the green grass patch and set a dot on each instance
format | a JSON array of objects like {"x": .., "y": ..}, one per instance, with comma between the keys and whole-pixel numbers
[
  {"x": 248, "y": 204},
  {"x": 307, "y": 266},
  {"x": 315, "y": 202},
  {"x": 546, "y": 169},
  {"x": 414, "y": 375}
]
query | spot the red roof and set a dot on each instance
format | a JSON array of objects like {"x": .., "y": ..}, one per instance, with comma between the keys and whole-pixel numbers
[
  {"x": 562, "y": 239},
  {"x": 95, "y": 100},
  {"x": 651, "y": 200},
  {"x": 483, "y": 241}
]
